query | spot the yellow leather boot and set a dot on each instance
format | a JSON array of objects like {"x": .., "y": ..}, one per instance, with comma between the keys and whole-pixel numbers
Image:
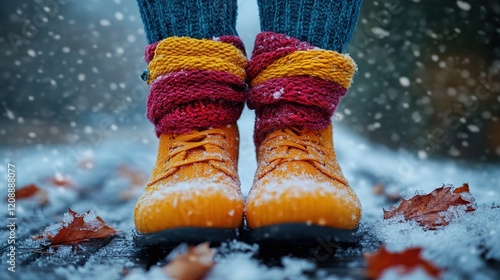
[
  {"x": 197, "y": 94},
  {"x": 299, "y": 193}
]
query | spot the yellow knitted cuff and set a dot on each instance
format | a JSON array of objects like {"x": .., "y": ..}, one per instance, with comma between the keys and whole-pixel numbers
[
  {"x": 324, "y": 64},
  {"x": 183, "y": 53}
]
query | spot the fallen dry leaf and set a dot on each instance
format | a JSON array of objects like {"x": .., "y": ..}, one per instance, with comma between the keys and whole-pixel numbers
[
  {"x": 404, "y": 262},
  {"x": 76, "y": 228},
  {"x": 27, "y": 191},
  {"x": 192, "y": 265},
  {"x": 429, "y": 210},
  {"x": 31, "y": 191},
  {"x": 463, "y": 188}
]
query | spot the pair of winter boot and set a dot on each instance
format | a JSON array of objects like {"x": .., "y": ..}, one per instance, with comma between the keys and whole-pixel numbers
[{"x": 198, "y": 91}]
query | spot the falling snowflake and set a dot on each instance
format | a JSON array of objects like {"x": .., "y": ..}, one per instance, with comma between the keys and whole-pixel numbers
[
  {"x": 463, "y": 5},
  {"x": 404, "y": 81}
]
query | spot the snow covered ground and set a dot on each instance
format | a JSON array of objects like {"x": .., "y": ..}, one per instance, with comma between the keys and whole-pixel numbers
[{"x": 461, "y": 248}]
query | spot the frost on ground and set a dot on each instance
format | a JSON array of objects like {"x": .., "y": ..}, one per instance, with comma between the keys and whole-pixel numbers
[
  {"x": 234, "y": 261},
  {"x": 469, "y": 247},
  {"x": 466, "y": 248}
]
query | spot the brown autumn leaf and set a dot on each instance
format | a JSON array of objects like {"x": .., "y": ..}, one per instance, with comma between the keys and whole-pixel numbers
[
  {"x": 136, "y": 178},
  {"x": 429, "y": 210},
  {"x": 192, "y": 265},
  {"x": 76, "y": 228},
  {"x": 404, "y": 262},
  {"x": 30, "y": 191},
  {"x": 27, "y": 191}
]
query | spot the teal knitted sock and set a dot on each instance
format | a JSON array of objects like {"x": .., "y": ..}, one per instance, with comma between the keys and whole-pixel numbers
[
  {"x": 327, "y": 24},
  {"x": 193, "y": 18}
]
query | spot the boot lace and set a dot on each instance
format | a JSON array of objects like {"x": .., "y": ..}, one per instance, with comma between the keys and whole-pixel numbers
[
  {"x": 205, "y": 141},
  {"x": 291, "y": 144}
]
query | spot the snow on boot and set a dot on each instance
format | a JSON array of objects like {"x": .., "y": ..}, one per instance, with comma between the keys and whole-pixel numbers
[
  {"x": 299, "y": 193},
  {"x": 197, "y": 94}
]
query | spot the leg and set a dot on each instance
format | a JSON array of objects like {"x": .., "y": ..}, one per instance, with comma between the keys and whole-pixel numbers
[
  {"x": 199, "y": 19},
  {"x": 299, "y": 190},
  {"x": 197, "y": 93},
  {"x": 322, "y": 23}
]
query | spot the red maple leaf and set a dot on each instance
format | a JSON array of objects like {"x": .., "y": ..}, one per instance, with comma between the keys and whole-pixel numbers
[
  {"x": 404, "y": 262},
  {"x": 429, "y": 210},
  {"x": 76, "y": 228}
]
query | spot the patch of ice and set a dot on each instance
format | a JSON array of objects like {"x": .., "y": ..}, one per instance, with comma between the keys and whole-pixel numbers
[
  {"x": 64, "y": 251},
  {"x": 67, "y": 219},
  {"x": 52, "y": 230},
  {"x": 91, "y": 220}
]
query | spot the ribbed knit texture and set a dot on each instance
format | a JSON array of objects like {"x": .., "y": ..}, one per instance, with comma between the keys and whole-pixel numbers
[
  {"x": 195, "y": 83},
  {"x": 295, "y": 84},
  {"x": 200, "y": 19},
  {"x": 327, "y": 24}
]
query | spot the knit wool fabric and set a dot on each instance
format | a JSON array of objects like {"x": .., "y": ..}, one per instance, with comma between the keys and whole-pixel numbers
[
  {"x": 327, "y": 24},
  {"x": 195, "y": 83},
  {"x": 295, "y": 84},
  {"x": 200, "y": 19}
]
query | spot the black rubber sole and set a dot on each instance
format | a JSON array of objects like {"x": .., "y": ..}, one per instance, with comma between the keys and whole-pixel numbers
[
  {"x": 302, "y": 234},
  {"x": 281, "y": 234},
  {"x": 190, "y": 235}
]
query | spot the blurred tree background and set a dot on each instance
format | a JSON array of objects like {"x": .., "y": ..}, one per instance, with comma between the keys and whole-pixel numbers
[
  {"x": 428, "y": 80},
  {"x": 66, "y": 64}
]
